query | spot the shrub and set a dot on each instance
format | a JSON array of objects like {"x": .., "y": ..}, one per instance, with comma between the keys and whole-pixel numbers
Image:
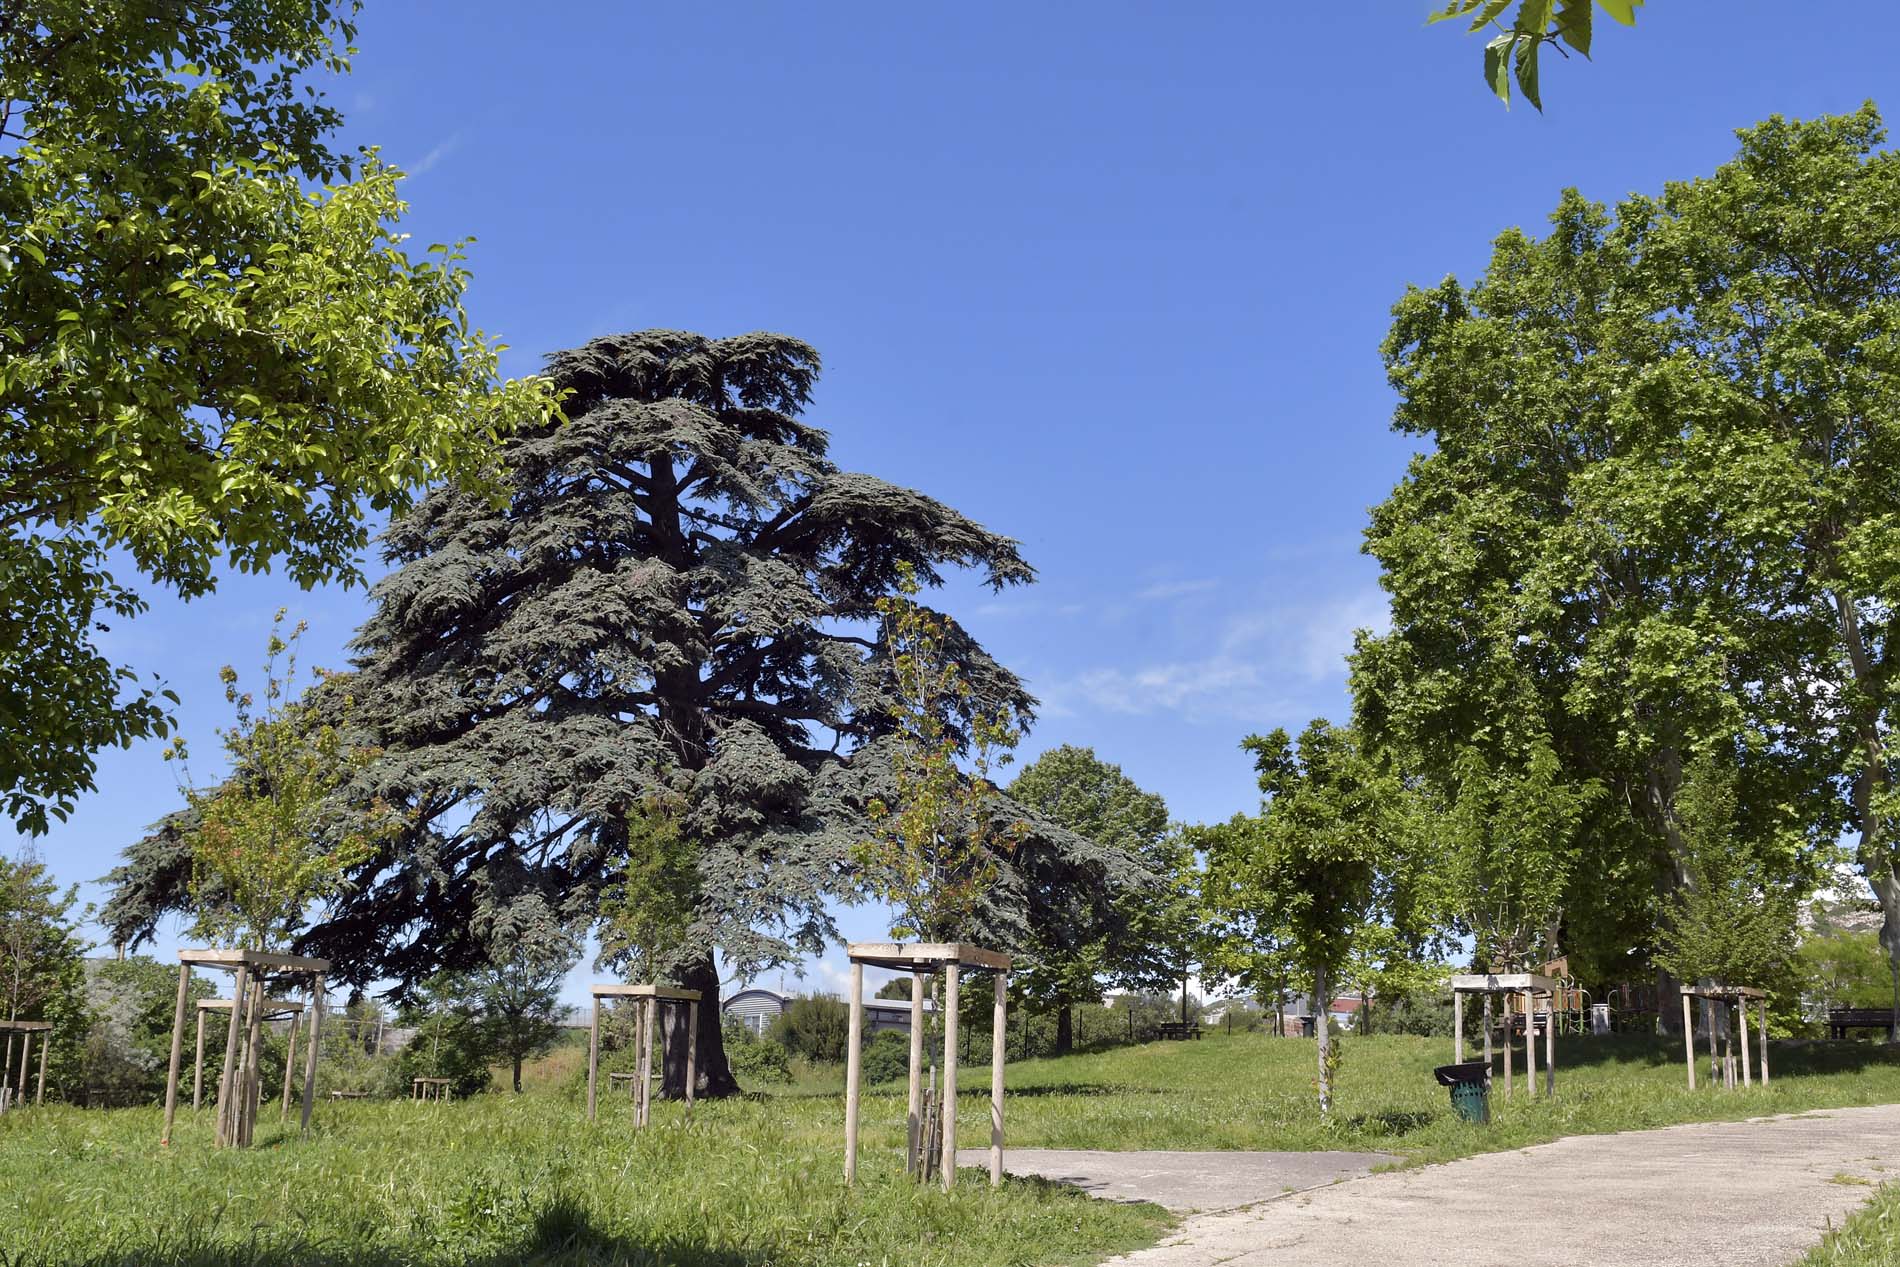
[
  {"x": 760, "y": 1060},
  {"x": 887, "y": 1057},
  {"x": 814, "y": 1026}
]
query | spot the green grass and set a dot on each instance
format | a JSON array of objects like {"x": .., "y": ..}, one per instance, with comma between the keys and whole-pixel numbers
[
  {"x": 757, "y": 1182},
  {"x": 1870, "y": 1239}
]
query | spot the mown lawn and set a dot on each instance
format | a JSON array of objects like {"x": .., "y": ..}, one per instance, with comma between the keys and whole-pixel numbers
[{"x": 757, "y": 1183}]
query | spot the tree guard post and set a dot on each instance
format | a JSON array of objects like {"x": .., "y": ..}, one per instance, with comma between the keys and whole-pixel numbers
[
  {"x": 914, "y": 1100},
  {"x": 1763, "y": 1013},
  {"x": 1530, "y": 1045},
  {"x": 998, "y": 1038},
  {"x": 310, "y": 1058},
  {"x": 1457, "y": 1027},
  {"x": 227, "y": 1083},
  {"x": 46, "y": 1040},
  {"x": 692, "y": 1054},
  {"x": 1717, "y": 1001},
  {"x": 1688, "y": 1040},
  {"x": 593, "y": 1060},
  {"x": 951, "y": 971},
  {"x": 853, "y": 1072},
  {"x": 178, "y": 1042},
  {"x": 290, "y": 1066},
  {"x": 198, "y": 1066}
]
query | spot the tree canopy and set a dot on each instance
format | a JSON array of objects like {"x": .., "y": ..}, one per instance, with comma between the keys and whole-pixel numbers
[
  {"x": 1091, "y": 926},
  {"x": 675, "y": 603},
  {"x": 1647, "y": 528},
  {"x": 218, "y": 347}
]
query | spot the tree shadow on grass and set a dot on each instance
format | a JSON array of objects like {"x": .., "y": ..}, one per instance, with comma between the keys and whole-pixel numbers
[
  {"x": 1081, "y": 1089},
  {"x": 562, "y": 1235},
  {"x": 1390, "y": 1123}
]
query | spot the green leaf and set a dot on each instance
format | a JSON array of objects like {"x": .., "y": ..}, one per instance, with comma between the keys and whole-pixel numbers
[
  {"x": 1533, "y": 17},
  {"x": 1456, "y": 9},
  {"x": 1573, "y": 24},
  {"x": 1489, "y": 13},
  {"x": 1497, "y": 66},
  {"x": 1623, "y": 11},
  {"x": 1526, "y": 61}
]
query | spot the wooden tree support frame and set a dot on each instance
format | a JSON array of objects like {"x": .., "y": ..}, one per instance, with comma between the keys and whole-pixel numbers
[
  {"x": 648, "y": 999},
  {"x": 1523, "y": 988},
  {"x": 429, "y": 1089},
  {"x": 923, "y": 960},
  {"x": 238, "y": 1084},
  {"x": 273, "y": 1010},
  {"x": 1738, "y": 998},
  {"x": 12, "y": 1091}
]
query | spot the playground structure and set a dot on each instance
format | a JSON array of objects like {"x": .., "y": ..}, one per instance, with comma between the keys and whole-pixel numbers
[
  {"x": 924, "y": 960},
  {"x": 1522, "y": 989},
  {"x": 1720, "y": 1003},
  {"x": 648, "y": 999},
  {"x": 238, "y": 1081},
  {"x": 13, "y": 1095},
  {"x": 273, "y": 1010}
]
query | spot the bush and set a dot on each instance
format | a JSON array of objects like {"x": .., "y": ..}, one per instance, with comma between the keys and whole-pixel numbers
[
  {"x": 759, "y": 1060},
  {"x": 814, "y": 1026},
  {"x": 887, "y": 1057}
]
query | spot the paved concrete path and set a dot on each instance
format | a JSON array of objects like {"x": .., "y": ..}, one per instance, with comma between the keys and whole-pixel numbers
[
  {"x": 1183, "y": 1182},
  {"x": 1721, "y": 1194}
]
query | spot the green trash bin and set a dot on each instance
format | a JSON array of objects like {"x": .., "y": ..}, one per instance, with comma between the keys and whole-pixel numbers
[{"x": 1470, "y": 1085}]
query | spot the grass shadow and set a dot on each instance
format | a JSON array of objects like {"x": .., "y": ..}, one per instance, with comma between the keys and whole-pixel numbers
[{"x": 561, "y": 1235}]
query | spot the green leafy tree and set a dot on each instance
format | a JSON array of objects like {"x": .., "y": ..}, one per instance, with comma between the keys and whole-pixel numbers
[
  {"x": 42, "y": 964},
  {"x": 671, "y": 604},
  {"x": 646, "y": 914},
  {"x": 1734, "y": 922},
  {"x": 935, "y": 851},
  {"x": 1512, "y": 52},
  {"x": 451, "y": 1039},
  {"x": 1654, "y": 516},
  {"x": 1510, "y": 845},
  {"x": 269, "y": 841},
  {"x": 529, "y": 956},
  {"x": 218, "y": 347},
  {"x": 1320, "y": 863},
  {"x": 1098, "y": 925}
]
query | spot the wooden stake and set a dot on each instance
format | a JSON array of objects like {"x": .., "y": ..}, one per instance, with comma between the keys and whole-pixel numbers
[
  {"x": 1715, "y": 1061},
  {"x": 315, "y": 1013},
  {"x": 1508, "y": 1088},
  {"x": 39, "y": 1092},
  {"x": 1688, "y": 1040},
  {"x": 950, "y": 974},
  {"x": 853, "y": 1070},
  {"x": 999, "y": 1029},
  {"x": 198, "y": 1067},
  {"x": 1530, "y": 1044},
  {"x": 1550, "y": 1049},
  {"x": 178, "y": 1043},
  {"x": 26, "y": 1050},
  {"x": 914, "y": 1099},
  {"x": 1764, "y": 1044},
  {"x": 253, "y": 1044},
  {"x": 290, "y": 1066},
  {"x": 1741, "y": 1017},
  {"x": 593, "y": 1058},
  {"x": 692, "y": 1053},
  {"x": 1457, "y": 1027},
  {"x": 227, "y": 1075},
  {"x": 643, "y": 1082}
]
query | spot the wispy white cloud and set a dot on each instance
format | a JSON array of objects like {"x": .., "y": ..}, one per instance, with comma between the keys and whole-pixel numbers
[
  {"x": 1262, "y": 663},
  {"x": 443, "y": 148},
  {"x": 1166, "y": 590}
]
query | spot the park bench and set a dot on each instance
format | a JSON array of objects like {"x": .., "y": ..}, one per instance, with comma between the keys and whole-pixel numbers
[
  {"x": 1842, "y": 1019},
  {"x": 1179, "y": 1029}
]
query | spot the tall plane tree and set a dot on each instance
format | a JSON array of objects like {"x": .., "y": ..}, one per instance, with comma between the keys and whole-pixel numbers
[{"x": 675, "y": 605}]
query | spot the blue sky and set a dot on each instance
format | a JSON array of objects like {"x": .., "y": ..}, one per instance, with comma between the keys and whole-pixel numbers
[{"x": 1110, "y": 278}]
